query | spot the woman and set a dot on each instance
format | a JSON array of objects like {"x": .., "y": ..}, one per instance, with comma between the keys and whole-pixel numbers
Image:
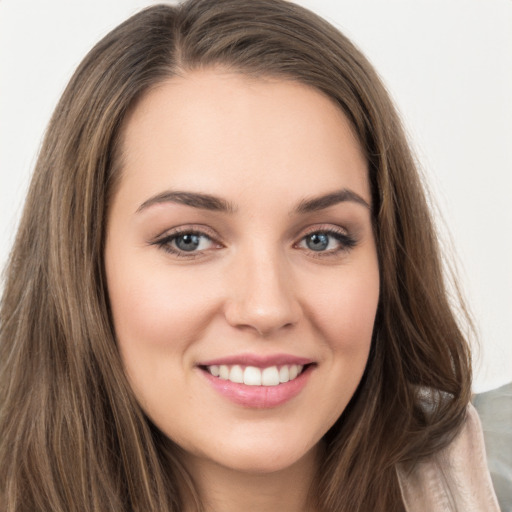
[{"x": 226, "y": 290}]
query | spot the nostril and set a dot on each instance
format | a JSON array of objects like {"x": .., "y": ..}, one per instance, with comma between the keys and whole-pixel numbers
[{"x": 263, "y": 318}]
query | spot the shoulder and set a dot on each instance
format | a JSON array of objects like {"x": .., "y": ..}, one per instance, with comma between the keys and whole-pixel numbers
[{"x": 455, "y": 479}]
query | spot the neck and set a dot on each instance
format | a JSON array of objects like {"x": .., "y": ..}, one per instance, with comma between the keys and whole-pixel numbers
[{"x": 224, "y": 489}]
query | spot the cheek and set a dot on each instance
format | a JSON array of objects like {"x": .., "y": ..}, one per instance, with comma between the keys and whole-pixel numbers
[
  {"x": 345, "y": 309},
  {"x": 158, "y": 315},
  {"x": 342, "y": 310},
  {"x": 156, "y": 310}
]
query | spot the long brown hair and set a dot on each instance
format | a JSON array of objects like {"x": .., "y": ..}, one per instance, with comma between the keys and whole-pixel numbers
[{"x": 72, "y": 436}]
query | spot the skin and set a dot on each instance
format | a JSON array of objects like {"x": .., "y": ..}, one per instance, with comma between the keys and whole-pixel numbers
[{"x": 253, "y": 286}]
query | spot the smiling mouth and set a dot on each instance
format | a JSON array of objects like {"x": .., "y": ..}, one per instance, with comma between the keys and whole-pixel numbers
[{"x": 254, "y": 376}]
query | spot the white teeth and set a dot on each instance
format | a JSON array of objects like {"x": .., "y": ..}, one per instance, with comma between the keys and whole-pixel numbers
[
  {"x": 270, "y": 376},
  {"x": 224, "y": 372},
  {"x": 253, "y": 376},
  {"x": 236, "y": 374}
]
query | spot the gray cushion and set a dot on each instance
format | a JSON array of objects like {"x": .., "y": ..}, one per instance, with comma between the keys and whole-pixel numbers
[{"x": 495, "y": 411}]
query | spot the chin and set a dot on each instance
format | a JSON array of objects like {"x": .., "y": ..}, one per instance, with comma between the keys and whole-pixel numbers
[
  {"x": 256, "y": 464},
  {"x": 268, "y": 456}
]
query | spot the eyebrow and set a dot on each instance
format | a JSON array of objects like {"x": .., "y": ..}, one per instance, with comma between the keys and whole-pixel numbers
[
  {"x": 217, "y": 204},
  {"x": 321, "y": 202},
  {"x": 193, "y": 199}
]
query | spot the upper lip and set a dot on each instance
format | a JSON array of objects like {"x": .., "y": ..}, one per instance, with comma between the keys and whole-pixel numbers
[{"x": 259, "y": 361}]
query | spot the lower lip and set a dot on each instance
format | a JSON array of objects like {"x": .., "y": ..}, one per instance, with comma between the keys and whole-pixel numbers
[{"x": 259, "y": 397}]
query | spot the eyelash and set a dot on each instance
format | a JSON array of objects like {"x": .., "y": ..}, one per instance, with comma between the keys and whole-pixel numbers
[
  {"x": 165, "y": 242},
  {"x": 347, "y": 242}
]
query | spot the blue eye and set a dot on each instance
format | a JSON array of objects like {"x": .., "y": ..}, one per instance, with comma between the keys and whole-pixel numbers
[
  {"x": 327, "y": 241},
  {"x": 188, "y": 242},
  {"x": 185, "y": 243},
  {"x": 317, "y": 241}
]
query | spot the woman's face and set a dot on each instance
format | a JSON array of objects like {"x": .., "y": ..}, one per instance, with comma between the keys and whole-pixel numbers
[{"x": 240, "y": 253}]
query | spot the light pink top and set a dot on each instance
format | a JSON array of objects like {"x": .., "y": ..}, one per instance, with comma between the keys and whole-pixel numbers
[{"x": 454, "y": 480}]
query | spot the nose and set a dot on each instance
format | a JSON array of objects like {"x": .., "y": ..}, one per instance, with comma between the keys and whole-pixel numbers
[{"x": 262, "y": 294}]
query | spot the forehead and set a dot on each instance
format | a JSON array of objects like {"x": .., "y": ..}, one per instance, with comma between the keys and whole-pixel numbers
[{"x": 211, "y": 130}]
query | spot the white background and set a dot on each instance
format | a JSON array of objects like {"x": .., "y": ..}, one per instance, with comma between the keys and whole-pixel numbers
[{"x": 447, "y": 64}]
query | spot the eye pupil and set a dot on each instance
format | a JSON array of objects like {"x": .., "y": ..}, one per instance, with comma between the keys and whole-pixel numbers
[
  {"x": 317, "y": 241},
  {"x": 188, "y": 242}
]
